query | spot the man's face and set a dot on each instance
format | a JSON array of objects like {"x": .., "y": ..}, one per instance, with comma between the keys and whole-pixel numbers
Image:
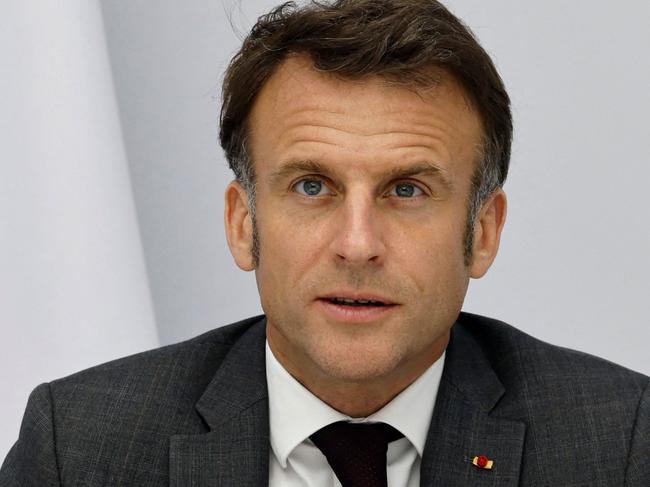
[{"x": 362, "y": 194}]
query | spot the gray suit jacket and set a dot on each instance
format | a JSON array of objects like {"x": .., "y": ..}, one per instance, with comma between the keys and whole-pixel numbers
[{"x": 196, "y": 414}]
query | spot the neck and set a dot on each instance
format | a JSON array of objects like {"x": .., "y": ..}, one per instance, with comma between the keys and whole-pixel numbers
[
  {"x": 357, "y": 400},
  {"x": 360, "y": 397}
]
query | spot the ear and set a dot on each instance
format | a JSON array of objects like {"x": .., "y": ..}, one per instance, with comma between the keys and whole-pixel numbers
[
  {"x": 487, "y": 233},
  {"x": 239, "y": 226}
]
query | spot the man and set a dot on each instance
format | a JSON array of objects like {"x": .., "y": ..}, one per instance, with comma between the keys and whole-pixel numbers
[{"x": 370, "y": 140}]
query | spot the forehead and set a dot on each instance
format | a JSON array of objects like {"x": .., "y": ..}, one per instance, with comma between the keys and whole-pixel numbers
[{"x": 299, "y": 105}]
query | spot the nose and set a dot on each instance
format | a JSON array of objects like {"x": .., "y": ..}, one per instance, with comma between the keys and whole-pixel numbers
[{"x": 358, "y": 234}]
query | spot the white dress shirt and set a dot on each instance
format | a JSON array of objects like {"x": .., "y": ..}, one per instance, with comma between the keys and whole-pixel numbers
[{"x": 295, "y": 414}]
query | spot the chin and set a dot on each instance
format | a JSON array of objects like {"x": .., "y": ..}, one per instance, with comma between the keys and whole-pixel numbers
[{"x": 358, "y": 364}]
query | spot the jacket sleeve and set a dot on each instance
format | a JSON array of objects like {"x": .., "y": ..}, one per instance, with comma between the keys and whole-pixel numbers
[
  {"x": 32, "y": 460},
  {"x": 638, "y": 465}
]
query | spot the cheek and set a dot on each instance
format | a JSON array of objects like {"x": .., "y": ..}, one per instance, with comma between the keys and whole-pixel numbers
[
  {"x": 432, "y": 231},
  {"x": 291, "y": 250},
  {"x": 431, "y": 251},
  {"x": 290, "y": 238}
]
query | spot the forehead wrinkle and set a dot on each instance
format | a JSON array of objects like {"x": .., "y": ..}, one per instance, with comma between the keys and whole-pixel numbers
[
  {"x": 332, "y": 96},
  {"x": 291, "y": 143},
  {"x": 374, "y": 134},
  {"x": 388, "y": 122},
  {"x": 418, "y": 126},
  {"x": 436, "y": 133},
  {"x": 389, "y": 142}
]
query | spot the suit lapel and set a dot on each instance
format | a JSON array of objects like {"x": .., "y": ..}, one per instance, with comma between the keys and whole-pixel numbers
[
  {"x": 462, "y": 426},
  {"x": 235, "y": 408}
]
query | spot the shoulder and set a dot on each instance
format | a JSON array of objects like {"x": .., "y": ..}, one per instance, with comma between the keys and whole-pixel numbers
[
  {"x": 148, "y": 395},
  {"x": 581, "y": 412},
  {"x": 102, "y": 425},
  {"x": 181, "y": 370},
  {"x": 521, "y": 360}
]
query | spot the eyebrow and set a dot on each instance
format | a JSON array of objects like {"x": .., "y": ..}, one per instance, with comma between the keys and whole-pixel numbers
[
  {"x": 422, "y": 168},
  {"x": 309, "y": 166},
  {"x": 292, "y": 167}
]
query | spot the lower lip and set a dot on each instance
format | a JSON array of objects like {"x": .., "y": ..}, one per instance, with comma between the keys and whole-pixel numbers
[{"x": 354, "y": 314}]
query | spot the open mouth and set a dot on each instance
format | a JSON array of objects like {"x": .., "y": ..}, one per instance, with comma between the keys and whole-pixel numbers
[
  {"x": 355, "y": 302},
  {"x": 356, "y": 308}
]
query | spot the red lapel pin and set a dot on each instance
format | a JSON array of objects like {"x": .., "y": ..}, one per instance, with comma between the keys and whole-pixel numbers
[{"x": 483, "y": 462}]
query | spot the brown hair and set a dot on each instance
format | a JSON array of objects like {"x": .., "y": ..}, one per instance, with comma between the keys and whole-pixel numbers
[{"x": 400, "y": 40}]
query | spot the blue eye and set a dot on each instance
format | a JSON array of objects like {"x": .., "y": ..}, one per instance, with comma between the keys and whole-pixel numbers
[
  {"x": 406, "y": 190},
  {"x": 311, "y": 187}
]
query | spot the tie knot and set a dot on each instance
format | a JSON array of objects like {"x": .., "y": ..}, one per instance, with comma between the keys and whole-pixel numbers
[{"x": 357, "y": 451}]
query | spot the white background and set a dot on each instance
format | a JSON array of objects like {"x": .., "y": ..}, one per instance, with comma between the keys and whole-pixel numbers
[{"x": 574, "y": 263}]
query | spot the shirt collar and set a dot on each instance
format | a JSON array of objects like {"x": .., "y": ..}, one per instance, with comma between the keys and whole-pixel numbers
[{"x": 295, "y": 413}]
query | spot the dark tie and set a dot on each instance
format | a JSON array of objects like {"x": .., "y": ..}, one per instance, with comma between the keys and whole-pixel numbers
[{"x": 357, "y": 451}]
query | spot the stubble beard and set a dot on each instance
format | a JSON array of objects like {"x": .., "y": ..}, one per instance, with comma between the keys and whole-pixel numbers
[{"x": 365, "y": 363}]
